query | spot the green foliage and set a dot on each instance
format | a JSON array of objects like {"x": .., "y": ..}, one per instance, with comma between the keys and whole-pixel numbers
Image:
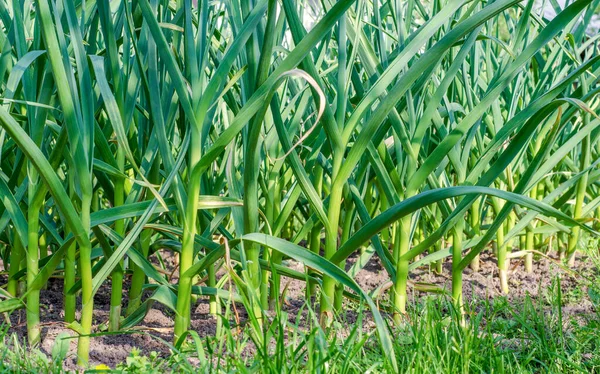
[
  {"x": 236, "y": 134},
  {"x": 138, "y": 363}
]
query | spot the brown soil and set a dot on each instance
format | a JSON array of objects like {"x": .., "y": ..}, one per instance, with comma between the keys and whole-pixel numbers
[{"x": 158, "y": 324}]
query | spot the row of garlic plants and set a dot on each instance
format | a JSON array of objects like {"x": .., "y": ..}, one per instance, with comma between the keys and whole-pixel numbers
[{"x": 247, "y": 132}]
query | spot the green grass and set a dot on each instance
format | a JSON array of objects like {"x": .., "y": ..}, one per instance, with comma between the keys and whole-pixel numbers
[{"x": 522, "y": 336}]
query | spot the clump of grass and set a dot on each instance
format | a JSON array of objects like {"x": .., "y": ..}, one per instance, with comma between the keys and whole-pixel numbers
[{"x": 524, "y": 335}]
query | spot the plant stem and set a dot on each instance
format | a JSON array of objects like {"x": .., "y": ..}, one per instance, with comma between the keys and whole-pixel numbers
[
  {"x": 475, "y": 224},
  {"x": 346, "y": 228},
  {"x": 579, "y": 197},
  {"x": 186, "y": 257},
  {"x": 116, "y": 296},
  {"x": 529, "y": 238},
  {"x": 501, "y": 247},
  {"x": 33, "y": 257},
  {"x": 315, "y": 233},
  {"x": 70, "y": 299},
  {"x": 403, "y": 239},
  {"x": 331, "y": 237},
  {"x": 87, "y": 297},
  {"x": 16, "y": 254},
  {"x": 457, "y": 295}
]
